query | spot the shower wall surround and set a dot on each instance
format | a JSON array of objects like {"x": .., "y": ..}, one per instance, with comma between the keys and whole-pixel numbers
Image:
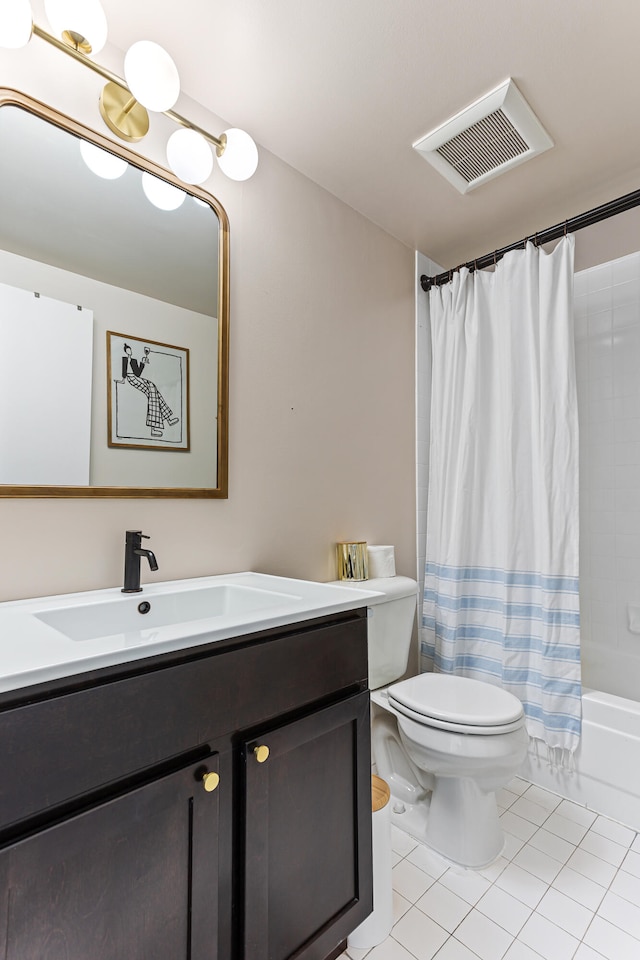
[{"x": 607, "y": 330}]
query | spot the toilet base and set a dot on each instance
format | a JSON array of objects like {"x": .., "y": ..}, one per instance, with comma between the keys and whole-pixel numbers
[
  {"x": 473, "y": 853},
  {"x": 463, "y": 823},
  {"x": 411, "y": 818}
]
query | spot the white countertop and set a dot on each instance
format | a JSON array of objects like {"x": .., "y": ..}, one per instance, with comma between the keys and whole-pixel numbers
[{"x": 49, "y": 638}]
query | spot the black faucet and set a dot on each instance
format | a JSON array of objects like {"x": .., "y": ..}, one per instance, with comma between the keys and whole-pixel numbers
[{"x": 132, "y": 553}]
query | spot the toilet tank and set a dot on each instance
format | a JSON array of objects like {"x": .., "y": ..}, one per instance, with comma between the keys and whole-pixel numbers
[{"x": 390, "y": 626}]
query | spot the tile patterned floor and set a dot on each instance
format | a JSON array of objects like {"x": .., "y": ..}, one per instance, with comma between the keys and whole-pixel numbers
[{"x": 567, "y": 887}]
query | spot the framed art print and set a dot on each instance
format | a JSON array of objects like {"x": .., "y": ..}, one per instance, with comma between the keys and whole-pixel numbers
[{"x": 148, "y": 393}]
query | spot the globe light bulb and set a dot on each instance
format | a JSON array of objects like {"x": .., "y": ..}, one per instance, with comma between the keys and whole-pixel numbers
[
  {"x": 80, "y": 23},
  {"x": 16, "y": 23},
  {"x": 101, "y": 162},
  {"x": 189, "y": 156},
  {"x": 239, "y": 159},
  {"x": 151, "y": 75},
  {"x": 161, "y": 194}
]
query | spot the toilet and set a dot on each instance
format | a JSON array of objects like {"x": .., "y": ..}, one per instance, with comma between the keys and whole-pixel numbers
[{"x": 443, "y": 743}]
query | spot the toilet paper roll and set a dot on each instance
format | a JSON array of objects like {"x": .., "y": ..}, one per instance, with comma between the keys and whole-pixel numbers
[{"x": 382, "y": 561}]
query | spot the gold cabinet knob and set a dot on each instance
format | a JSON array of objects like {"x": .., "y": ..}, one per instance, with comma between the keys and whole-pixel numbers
[
  {"x": 210, "y": 781},
  {"x": 261, "y": 752}
]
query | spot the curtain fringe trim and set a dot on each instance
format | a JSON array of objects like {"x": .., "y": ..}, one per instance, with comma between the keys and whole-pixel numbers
[{"x": 555, "y": 757}]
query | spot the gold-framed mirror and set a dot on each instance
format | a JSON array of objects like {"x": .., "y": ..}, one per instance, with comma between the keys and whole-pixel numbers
[{"x": 114, "y": 318}]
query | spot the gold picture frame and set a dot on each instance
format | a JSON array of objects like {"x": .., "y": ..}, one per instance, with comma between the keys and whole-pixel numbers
[{"x": 217, "y": 429}]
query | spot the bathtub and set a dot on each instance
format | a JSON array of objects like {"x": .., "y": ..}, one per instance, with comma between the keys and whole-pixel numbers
[{"x": 607, "y": 762}]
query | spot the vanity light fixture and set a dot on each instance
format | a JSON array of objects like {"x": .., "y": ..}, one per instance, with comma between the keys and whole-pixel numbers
[
  {"x": 161, "y": 194},
  {"x": 151, "y": 83},
  {"x": 102, "y": 163},
  {"x": 15, "y": 24}
]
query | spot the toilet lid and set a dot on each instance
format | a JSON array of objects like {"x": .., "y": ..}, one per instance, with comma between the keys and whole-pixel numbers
[{"x": 456, "y": 700}]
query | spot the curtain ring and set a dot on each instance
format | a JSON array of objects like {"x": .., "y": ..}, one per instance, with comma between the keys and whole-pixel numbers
[
  {"x": 495, "y": 258},
  {"x": 450, "y": 275},
  {"x": 565, "y": 227}
]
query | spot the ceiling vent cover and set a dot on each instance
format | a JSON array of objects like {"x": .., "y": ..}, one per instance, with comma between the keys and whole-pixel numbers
[{"x": 485, "y": 139}]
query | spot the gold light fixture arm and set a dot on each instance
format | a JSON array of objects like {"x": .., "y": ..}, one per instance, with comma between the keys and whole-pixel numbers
[
  {"x": 127, "y": 120},
  {"x": 218, "y": 142}
]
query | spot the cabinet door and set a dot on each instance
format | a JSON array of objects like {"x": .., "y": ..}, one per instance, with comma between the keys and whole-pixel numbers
[
  {"x": 307, "y": 870},
  {"x": 115, "y": 881}
]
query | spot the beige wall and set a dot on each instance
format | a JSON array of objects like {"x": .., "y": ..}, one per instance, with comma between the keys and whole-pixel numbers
[{"x": 321, "y": 381}]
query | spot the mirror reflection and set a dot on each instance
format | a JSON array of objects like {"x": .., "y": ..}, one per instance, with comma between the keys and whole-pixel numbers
[{"x": 112, "y": 319}]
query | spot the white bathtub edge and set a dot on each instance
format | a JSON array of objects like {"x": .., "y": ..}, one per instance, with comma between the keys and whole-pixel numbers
[{"x": 607, "y": 774}]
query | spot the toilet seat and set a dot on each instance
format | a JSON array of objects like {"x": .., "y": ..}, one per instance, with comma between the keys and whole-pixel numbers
[{"x": 457, "y": 704}]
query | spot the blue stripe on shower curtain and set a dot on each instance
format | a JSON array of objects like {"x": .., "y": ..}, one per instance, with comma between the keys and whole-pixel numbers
[{"x": 517, "y": 629}]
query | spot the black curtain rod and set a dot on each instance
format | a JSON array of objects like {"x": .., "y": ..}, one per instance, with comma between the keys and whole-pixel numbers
[{"x": 610, "y": 209}]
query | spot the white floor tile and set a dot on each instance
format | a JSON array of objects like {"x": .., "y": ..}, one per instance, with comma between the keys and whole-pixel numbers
[
  {"x": 592, "y": 867},
  {"x": 579, "y": 888},
  {"x": 467, "y": 884},
  {"x": 623, "y": 914},
  {"x": 518, "y": 785},
  {"x": 395, "y": 858},
  {"x": 543, "y": 797},
  {"x": 565, "y": 912},
  {"x": 454, "y": 950},
  {"x": 626, "y": 886},
  {"x": 503, "y": 909},
  {"x": 517, "y": 825},
  {"x": 529, "y": 811},
  {"x": 493, "y": 871},
  {"x": 432, "y": 863},
  {"x": 546, "y": 891},
  {"x": 410, "y": 881},
  {"x": 401, "y": 842},
  {"x": 538, "y": 863},
  {"x": 565, "y": 828},
  {"x": 614, "y": 853},
  {"x": 614, "y": 831},
  {"x": 390, "y": 950},
  {"x": 547, "y": 939},
  {"x": 420, "y": 935},
  {"x": 587, "y": 953},
  {"x": 400, "y": 905},
  {"x": 576, "y": 812},
  {"x": 442, "y": 905},
  {"x": 522, "y": 885},
  {"x": 553, "y": 846},
  {"x": 504, "y": 798},
  {"x": 483, "y": 936},
  {"x": 612, "y": 943},
  {"x": 631, "y": 863},
  {"x": 511, "y": 846},
  {"x": 520, "y": 951}
]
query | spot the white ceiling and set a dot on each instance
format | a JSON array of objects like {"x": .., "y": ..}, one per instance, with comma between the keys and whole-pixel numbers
[{"x": 340, "y": 89}]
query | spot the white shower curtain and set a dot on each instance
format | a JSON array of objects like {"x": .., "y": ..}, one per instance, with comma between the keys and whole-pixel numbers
[{"x": 501, "y": 578}]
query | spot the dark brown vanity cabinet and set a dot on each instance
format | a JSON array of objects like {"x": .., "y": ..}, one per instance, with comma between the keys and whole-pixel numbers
[
  {"x": 211, "y": 804},
  {"x": 306, "y": 850},
  {"x": 135, "y": 876}
]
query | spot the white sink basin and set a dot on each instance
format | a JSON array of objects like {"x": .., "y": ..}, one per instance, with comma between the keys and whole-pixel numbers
[
  {"x": 49, "y": 638},
  {"x": 134, "y": 613}
]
